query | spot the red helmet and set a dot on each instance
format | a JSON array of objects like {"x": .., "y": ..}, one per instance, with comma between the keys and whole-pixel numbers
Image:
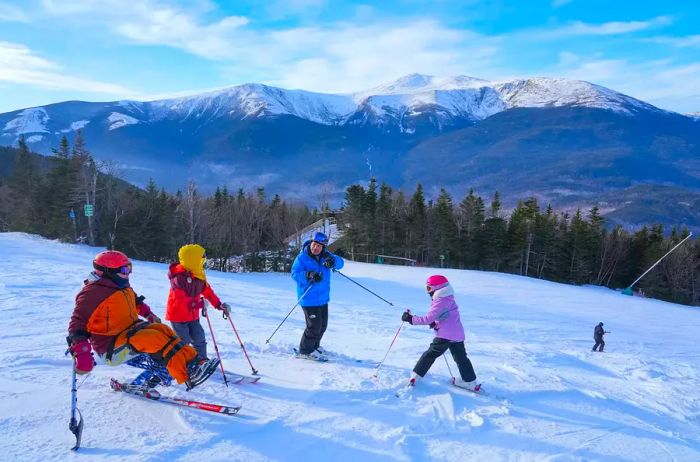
[
  {"x": 435, "y": 282},
  {"x": 112, "y": 261}
]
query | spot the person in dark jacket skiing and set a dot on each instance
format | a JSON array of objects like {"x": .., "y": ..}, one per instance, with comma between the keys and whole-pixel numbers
[
  {"x": 106, "y": 319},
  {"x": 312, "y": 272},
  {"x": 443, "y": 318},
  {"x": 598, "y": 333}
]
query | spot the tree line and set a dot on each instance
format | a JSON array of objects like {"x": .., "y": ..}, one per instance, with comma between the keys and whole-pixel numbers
[
  {"x": 576, "y": 248},
  {"x": 248, "y": 231},
  {"x": 240, "y": 230}
]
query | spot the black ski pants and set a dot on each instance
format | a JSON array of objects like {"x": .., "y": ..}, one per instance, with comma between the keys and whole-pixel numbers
[
  {"x": 316, "y": 324},
  {"x": 598, "y": 341},
  {"x": 437, "y": 348}
]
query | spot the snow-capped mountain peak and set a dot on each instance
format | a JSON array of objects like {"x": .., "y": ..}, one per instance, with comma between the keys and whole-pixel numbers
[
  {"x": 419, "y": 83},
  {"x": 405, "y": 103}
]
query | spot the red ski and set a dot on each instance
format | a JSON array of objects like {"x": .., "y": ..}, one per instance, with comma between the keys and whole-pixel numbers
[{"x": 149, "y": 393}]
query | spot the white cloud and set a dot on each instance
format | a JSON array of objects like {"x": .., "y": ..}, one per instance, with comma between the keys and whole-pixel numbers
[
  {"x": 10, "y": 13},
  {"x": 343, "y": 56},
  {"x": 152, "y": 22},
  {"x": 579, "y": 29},
  {"x": 661, "y": 82},
  {"x": 19, "y": 65},
  {"x": 680, "y": 42},
  {"x": 349, "y": 57}
]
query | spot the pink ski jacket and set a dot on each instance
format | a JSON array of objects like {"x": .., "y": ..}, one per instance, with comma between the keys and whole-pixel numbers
[{"x": 444, "y": 312}]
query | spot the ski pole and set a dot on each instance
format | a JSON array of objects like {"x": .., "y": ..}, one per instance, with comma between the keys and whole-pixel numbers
[
  {"x": 216, "y": 348},
  {"x": 355, "y": 282},
  {"x": 376, "y": 368},
  {"x": 448, "y": 367},
  {"x": 290, "y": 312},
  {"x": 240, "y": 342},
  {"x": 75, "y": 425}
]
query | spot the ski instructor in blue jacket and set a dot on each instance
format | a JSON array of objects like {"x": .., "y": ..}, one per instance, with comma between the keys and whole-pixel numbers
[{"x": 313, "y": 267}]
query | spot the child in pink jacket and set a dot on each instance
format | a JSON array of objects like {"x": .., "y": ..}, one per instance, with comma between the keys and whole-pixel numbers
[{"x": 443, "y": 317}]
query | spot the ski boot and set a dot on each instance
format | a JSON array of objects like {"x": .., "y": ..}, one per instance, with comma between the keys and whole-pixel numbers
[
  {"x": 471, "y": 386},
  {"x": 199, "y": 371}
]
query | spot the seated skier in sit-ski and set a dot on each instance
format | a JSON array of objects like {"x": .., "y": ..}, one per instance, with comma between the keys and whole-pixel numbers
[{"x": 106, "y": 319}]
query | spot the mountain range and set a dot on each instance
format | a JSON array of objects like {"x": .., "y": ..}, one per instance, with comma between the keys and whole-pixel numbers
[{"x": 568, "y": 142}]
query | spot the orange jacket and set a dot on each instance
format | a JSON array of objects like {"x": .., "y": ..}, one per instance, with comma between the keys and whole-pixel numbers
[
  {"x": 102, "y": 311},
  {"x": 186, "y": 292}
]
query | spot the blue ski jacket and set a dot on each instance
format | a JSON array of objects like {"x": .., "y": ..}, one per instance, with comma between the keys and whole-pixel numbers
[{"x": 320, "y": 293}]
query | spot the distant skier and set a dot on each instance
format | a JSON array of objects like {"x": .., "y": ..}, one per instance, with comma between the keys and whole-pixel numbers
[
  {"x": 598, "y": 333},
  {"x": 106, "y": 319},
  {"x": 188, "y": 290},
  {"x": 312, "y": 267},
  {"x": 443, "y": 317}
]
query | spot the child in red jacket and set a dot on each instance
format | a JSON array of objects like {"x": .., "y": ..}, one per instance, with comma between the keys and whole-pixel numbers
[{"x": 188, "y": 290}]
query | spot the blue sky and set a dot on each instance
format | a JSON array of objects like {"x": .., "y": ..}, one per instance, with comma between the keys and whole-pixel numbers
[{"x": 57, "y": 50}]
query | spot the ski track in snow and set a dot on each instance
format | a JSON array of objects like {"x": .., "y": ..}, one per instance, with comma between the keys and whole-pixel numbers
[{"x": 548, "y": 398}]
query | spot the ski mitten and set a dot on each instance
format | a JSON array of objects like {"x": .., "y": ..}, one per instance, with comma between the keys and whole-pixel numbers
[{"x": 82, "y": 353}]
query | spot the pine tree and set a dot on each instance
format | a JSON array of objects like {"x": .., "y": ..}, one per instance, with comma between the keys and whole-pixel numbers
[
  {"x": 384, "y": 218},
  {"x": 445, "y": 230},
  {"x": 24, "y": 183},
  {"x": 416, "y": 225},
  {"x": 470, "y": 220},
  {"x": 492, "y": 239},
  {"x": 354, "y": 218},
  {"x": 57, "y": 195}
]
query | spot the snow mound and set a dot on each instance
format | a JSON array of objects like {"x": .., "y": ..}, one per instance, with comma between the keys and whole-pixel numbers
[
  {"x": 117, "y": 120},
  {"x": 31, "y": 120}
]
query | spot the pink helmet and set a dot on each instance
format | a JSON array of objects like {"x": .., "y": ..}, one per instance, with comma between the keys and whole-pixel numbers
[{"x": 435, "y": 282}]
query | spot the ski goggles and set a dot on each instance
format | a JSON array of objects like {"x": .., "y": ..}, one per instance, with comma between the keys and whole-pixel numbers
[{"x": 126, "y": 269}]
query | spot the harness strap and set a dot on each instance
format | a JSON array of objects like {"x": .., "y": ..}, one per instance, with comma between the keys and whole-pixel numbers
[
  {"x": 158, "y": 356},
  {"x": 130, "y": 331}
]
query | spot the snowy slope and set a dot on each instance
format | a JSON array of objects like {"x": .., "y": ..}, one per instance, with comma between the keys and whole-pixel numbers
[{"x": 529, "y": 340}]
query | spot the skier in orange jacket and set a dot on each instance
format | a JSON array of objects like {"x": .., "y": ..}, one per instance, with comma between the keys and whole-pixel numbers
[{"x": 106, "y": 319}]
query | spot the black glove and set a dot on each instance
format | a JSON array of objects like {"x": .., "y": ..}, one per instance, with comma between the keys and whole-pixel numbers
[
  {"x": 313, "y": 276},
  {"x": 329, "y": 262},
  {"x": 407, "y": 317}
]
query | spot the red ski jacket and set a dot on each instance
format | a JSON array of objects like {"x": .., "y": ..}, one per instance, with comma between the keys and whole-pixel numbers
[{"x": 185, "y": 297}]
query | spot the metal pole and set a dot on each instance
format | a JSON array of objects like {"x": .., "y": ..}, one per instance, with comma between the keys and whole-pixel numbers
[
  {"x": 355, "y": 282},
  {"x": 290, "y": 312},
  {"x": 216, "y": 347},
  {"x": 75, "y": 425},
  {"x": 629, "y": 288},
  {"x": 448, "y": 366},
  {"x": 376, "y": 368},
  {"x": 240, "y": 342}
]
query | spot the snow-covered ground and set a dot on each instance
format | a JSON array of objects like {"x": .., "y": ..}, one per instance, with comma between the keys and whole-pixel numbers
[{"x": 550, "y": 398}]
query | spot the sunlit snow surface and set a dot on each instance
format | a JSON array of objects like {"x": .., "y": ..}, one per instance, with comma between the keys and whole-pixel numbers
[{"x": 550, "y": 398}]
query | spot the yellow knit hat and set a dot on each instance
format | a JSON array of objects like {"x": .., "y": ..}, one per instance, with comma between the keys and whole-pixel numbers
[{"x": 192, "y": 258}]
